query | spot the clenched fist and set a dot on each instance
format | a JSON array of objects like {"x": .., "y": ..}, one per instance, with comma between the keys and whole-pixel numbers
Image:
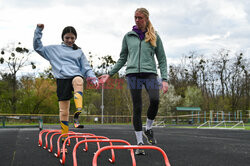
[{"x": 40, "y": 26}]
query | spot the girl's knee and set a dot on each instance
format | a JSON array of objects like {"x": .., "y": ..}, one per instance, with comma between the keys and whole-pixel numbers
[{"x": 77, "y": 83}]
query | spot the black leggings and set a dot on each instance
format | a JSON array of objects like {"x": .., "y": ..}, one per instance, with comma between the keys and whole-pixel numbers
[{"x": 136, "y": 84}]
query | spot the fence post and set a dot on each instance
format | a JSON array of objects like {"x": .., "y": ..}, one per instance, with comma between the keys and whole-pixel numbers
[
  {"x": 198, "y": 117},
  {"x": 4, "y": 118},
  {"x": 40, "y": 123},
  {"x": 205, "y": 117},
  {"x": 217, "y": 118}
]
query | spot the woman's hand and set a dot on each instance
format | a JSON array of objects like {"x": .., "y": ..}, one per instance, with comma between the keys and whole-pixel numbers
[
  {"x": 103, "y": 78},
  {"x": 40, "y": 26},
  {"x": 164, "y": 86}
]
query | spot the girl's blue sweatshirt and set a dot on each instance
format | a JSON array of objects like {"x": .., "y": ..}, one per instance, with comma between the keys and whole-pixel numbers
[{"x": 66, "y": 62}]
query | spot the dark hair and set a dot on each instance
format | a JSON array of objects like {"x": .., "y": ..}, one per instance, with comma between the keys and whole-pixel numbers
[{"x": 70, "y": 29}]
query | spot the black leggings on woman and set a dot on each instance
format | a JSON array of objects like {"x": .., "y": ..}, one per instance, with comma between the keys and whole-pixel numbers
[{"x": 136, "y": 82}]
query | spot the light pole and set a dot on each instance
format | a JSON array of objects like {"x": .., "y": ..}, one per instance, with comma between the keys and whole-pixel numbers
[{"x": 102, "y": 106}]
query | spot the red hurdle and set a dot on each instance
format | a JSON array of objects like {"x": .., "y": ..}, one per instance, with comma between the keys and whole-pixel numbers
[
  {"x": 79, "y": 134},
  {"x": 52, "y": 131},
  {"x": 106, "y": 140},
  {"x": 112, "y": 160},
  {"x": 40, "y": 140},
  {"x": 92, "y": 138},
  {"x": 59, "y": 133},
  {"x": 94, "y": 162}
]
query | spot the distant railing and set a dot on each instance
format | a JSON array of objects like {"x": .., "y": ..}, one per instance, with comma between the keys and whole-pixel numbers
[
  {"x": 19, "y": 119},
  {"x": 10, "y": 120}
]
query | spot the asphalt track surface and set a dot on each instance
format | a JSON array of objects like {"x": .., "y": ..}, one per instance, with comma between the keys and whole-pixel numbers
[{"x": 184, "y": 147}]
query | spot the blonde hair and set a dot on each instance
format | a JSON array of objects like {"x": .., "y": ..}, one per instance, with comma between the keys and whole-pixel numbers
[{"x": 150, "y": 35}]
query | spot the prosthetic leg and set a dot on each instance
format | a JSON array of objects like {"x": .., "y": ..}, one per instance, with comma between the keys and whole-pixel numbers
[
  {"x": 64, "y": 117},
  {"x": 78, "y": 90}
]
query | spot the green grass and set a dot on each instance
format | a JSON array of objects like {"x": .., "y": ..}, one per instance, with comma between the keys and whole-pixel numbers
[
  {"x": 247, "y": 125},
  {"x": 87, "y": 123},
  {"x": 19, "y": 124}
]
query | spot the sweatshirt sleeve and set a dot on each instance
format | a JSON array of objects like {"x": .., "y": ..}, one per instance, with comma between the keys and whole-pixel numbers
[
  {"x": 37, "y": 43},
  {"x": 123, "y": 58},
  {"x": 86, "y": 69},
  {"x": 161, "y": 57}
]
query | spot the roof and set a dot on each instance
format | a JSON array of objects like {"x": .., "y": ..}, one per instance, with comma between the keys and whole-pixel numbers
[{"x": 188, "y": 109}]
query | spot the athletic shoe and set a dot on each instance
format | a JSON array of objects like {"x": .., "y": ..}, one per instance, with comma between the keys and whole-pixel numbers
[
  {"x": 149, "y": 136},
  {"x": 140, "y": 151},
  {"x": 77, "y": 124}
]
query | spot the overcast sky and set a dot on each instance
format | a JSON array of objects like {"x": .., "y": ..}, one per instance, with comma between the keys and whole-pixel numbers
[{"x": 204, "y": 26}]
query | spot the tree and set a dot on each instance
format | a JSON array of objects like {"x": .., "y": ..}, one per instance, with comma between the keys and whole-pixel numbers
[
  {"x": 193, "y": 97},
  {"x": 13, "y": 58},
  {"x": 221, "y": 64},
  {"x": 90, "y": 101},
  {"x": 237, "y": 81},
  {"x": 219, "y": 77},
  {"x": 37, "y": 94},
  {"x": 106, "y": 64},
  {"x": 246, "y": 85},
  {"x": 4, "y": 97},
  {"x": 168, "y": 101}
]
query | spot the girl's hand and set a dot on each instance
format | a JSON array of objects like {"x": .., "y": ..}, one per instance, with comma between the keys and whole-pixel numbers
[
  {"x": 96, "y": 84},
  {"x": 93, "y": 81}
]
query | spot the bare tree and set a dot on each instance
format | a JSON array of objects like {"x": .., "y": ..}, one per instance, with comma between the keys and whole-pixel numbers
[{"x": 221, "y": 64}]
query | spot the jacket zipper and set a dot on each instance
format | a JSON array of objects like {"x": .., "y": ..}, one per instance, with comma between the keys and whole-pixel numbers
[{"x": 139, "y": 57}]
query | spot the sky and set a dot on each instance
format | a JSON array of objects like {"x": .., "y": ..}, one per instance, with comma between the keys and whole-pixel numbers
[{"x": 204, "y": 26}]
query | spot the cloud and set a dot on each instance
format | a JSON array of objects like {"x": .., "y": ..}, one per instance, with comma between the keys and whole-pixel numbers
[{"x": 184, "y": 25}]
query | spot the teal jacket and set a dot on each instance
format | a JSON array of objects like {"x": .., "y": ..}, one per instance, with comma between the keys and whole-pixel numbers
[{"x": 139, "y": 56}]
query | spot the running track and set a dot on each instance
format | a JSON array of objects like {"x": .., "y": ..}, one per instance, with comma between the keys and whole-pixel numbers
[{"x": 184, "y": 147}]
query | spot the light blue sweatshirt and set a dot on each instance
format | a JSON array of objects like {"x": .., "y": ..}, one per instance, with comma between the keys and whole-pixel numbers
[{"x": 66, "y": 62}]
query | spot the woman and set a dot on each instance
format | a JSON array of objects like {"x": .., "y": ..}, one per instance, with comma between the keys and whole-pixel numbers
[
  {"x": 69, "y": 66},
  {"x": 138, "y": 49}
]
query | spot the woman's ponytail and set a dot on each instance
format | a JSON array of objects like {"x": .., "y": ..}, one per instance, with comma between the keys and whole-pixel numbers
[{"x": 150, "y": 35}]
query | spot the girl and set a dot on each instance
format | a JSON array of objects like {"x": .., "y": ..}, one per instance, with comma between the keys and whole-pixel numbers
[{"x": 69, "y": 67}]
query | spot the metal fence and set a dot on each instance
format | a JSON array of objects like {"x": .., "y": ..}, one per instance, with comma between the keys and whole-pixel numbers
[{"x": 189, "y": 119}]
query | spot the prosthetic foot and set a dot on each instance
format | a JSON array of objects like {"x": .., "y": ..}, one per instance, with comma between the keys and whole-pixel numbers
[
  {"x": 78, "y": 93},
  {"x": 76, "y": 120}
]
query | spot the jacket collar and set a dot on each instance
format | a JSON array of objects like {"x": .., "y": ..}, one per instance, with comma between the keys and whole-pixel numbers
[{"x": 133, "y": 33}]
